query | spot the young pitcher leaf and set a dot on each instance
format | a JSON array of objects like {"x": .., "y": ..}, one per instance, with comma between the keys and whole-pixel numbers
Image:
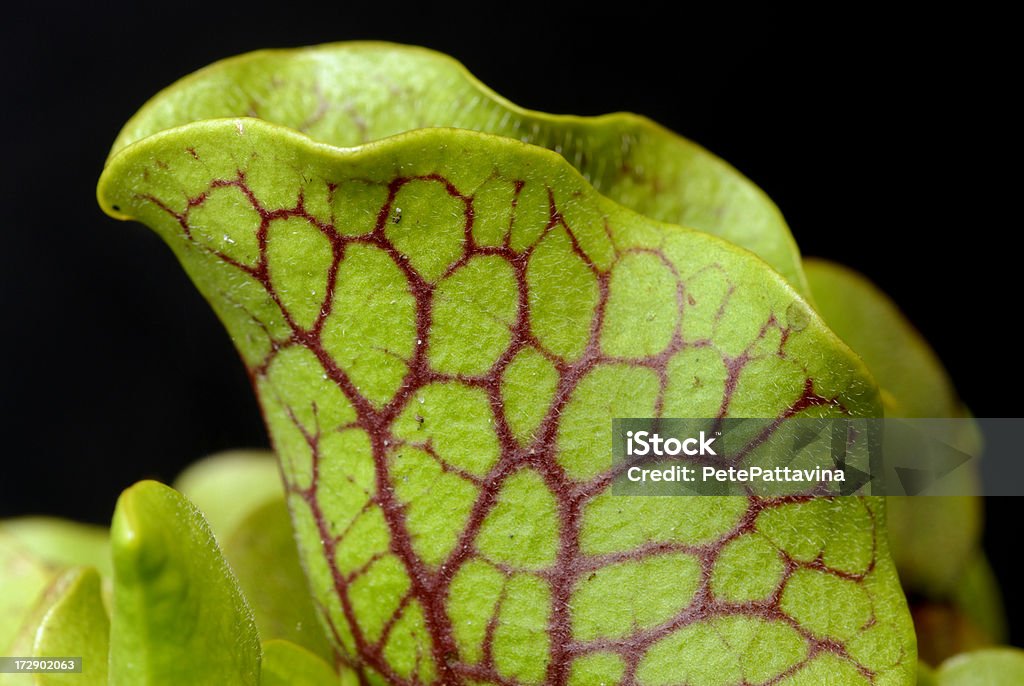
[
  {"x": 76, "y": 625},
  {"x": 34, "y": 553},
  {"x": 990, "y": 667},
  {"x": 287, "y": 664},
  {"x": 241, "y": 496},
  {"x": 24, "y": 580},
  {"x": 914, "y": 383},
  {"x": 61, "y": 543},
  {"x": 29, "y": 589},
  {"x": 178, "y": 615},
  {"x": 456, "y": 519},
  {"x": 348, "y": 94},
  {"x": 926, "y": 675},
  {"x": 263, "y": 555},
  {"x": 978, "y": 596},
  {"x": 228, "y": 486}
]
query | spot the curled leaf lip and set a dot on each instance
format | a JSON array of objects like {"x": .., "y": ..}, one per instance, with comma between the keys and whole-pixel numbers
[
  {"x": 625, "y": 156},
  {"x": 115, "y": 198},
  {"x": 429, "y": 138},
  {"x": 433, "y": 137}
]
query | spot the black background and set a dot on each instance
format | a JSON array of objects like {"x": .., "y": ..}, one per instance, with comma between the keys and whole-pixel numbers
[{"x": 884, "y": 139}]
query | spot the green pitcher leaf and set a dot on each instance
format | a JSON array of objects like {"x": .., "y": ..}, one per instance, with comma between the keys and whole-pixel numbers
[
  {"x": 28, "y": 590},
  {"x": 348, "y": 94},
  {"x": 61, "y": 543},
  {"x": 990, "y": 667},
  {"x": 36, "y": 554},
  {"x": 24, "y": 580},
  {"x": 441, "y": 326},
  {"x": 178, "y": 616},
  {"x": 263, "y": 554},
  {"x": 926, "y": 675},
  {"x": 977, "y": 595},
  {"x": 228, "y": 486},
  {"x": 913, "y": 381},
  {"x": 76, "y": 625},
  {"x": 241, "y": 495},
  {"x": 933, "y": 539},
  {"x": 287, "y": 664}
]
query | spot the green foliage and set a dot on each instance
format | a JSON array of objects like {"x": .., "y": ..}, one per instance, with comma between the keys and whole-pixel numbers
[
  {"x": 178, "y": 615},
  {"x": 250, "y": 476},
  {"x": 176, "y": 594},
  {"x": 42, "y": 592},
  {"x": 440, "y": 324},
  {"x": 287, "y": 664},
  {"x": 240, "y": 495},
  {"x": 76, "y": 624},
  {"x": 992, "y": 667},
  {"x": 59, "y": 543}
]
